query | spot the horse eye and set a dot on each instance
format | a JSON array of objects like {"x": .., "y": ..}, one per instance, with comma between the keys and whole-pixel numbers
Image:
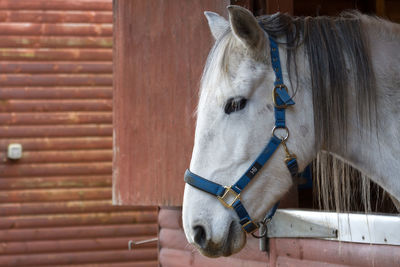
[{"x": 235, "y": 104}]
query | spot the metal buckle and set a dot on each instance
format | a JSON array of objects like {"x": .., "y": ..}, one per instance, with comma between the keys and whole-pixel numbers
[
  {"x": 250, "y": 222},
  {"x": 289, "y": 156},
  {"x": 274, "y": 94},
  {"x": 228, "y": 190}
]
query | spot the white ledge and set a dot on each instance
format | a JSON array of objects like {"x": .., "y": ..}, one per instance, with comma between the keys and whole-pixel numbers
[{"x": 346, "y": 227}]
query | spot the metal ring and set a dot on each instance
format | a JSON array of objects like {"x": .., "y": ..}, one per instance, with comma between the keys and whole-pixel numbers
[
  {"x": 264, "y": 223},
  {"x": 263, "y": 234},
  {"x": 282, "y": 138}
]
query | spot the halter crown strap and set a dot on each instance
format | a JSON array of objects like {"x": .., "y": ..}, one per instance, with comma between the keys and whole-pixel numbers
[{"x": 229, "y": 196}]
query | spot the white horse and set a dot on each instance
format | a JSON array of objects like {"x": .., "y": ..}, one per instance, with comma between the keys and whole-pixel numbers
[{"x": 343, "y": 74}]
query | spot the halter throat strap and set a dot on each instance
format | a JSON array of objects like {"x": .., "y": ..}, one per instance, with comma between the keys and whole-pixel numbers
[{"x": 230, "y": 196}]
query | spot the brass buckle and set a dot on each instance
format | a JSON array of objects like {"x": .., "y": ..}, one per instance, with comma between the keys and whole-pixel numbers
[
  {"x": 250, "y": 222},
  {"x": 289, "y": 156},
  {"x": 228, "y": 190},
  {"x": 274, "y": 94}
]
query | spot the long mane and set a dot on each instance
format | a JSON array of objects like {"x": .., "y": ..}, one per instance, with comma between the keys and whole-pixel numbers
[{"x": 338, "y": 57}]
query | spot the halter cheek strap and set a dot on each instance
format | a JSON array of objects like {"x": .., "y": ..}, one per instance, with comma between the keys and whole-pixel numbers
[{"x": 230, "y": 196}]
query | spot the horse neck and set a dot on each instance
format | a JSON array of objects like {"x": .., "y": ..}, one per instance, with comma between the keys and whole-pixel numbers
[{"x": 374, "y": 150}]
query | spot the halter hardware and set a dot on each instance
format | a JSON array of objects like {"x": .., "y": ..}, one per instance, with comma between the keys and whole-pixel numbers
[
  {"x": 228, "y": 191},
  {"x": 289, "y": 156},
  {"x": 275, "y": 96},
  {"x": 229, "y": 196},
  {"x": 250, "y": 225},
  {"x": 284, "y": 137}
]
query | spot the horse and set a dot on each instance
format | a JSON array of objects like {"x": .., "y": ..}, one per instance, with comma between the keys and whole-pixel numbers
[{"x": 342, "y": 72}]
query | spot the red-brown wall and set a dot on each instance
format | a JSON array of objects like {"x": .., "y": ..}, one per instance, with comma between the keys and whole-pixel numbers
[
  {"x": 160, "y": 50},
  {"x": 56, "y": 100}
]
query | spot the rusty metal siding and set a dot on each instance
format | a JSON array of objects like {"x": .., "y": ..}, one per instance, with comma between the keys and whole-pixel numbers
[{"x": 56, "y": 100}]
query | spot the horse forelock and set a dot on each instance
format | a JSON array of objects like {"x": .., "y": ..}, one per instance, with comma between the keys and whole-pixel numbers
[
  {"x": 216, "y": 67},
  {"x": 222, "y": 65}
]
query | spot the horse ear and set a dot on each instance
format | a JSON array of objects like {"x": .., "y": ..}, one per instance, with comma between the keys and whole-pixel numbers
[
  {"x": 245, "y": 27},
  {"x": 218, "y": 24}
]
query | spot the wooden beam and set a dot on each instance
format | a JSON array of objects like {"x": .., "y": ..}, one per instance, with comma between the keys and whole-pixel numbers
[
  {"x": 249, "y": 4},
  {"x": 380, "y": 8},
  {"x": 283, "y": 6}
]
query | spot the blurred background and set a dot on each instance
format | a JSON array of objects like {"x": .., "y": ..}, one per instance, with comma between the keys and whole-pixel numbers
[
  {"x": 56, "y": 126},
  {"x": 56, "y": 101}
]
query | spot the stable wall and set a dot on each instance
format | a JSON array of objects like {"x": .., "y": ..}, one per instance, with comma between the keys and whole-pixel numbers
[
  {"x": 56, "y": 100},
  {"x": 160, "y": 50}
]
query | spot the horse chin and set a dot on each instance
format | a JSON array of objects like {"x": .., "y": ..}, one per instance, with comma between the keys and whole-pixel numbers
[{"x": 234, "y": 242}]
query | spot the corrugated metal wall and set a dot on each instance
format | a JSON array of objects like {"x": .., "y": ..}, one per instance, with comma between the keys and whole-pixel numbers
[{"x": 56, "y": 100}]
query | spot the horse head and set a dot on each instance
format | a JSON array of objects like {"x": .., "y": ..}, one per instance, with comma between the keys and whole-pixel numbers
[{"x": 235, "y": 117}]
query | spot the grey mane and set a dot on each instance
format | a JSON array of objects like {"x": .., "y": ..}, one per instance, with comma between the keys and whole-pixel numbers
[{"x": 338, "y": 56}]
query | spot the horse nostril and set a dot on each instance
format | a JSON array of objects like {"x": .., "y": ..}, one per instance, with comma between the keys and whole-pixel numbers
[{"x": 200, "y": 236}]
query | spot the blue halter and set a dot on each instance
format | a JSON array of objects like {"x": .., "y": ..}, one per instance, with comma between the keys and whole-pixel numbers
[{"x": 229, "y": 196}]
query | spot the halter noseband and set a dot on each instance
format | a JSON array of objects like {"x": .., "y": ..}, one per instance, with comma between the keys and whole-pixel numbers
[{"x": 229, "y": 196}]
